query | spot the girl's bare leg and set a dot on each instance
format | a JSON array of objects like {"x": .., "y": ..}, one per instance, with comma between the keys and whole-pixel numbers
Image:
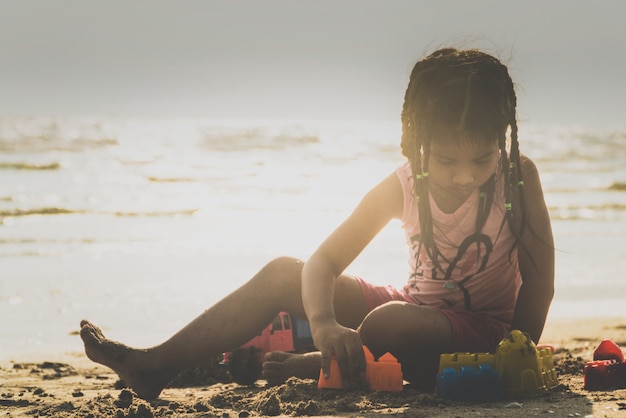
[
  {"x": 226, "y": 325},
  {"x": 415, "y": 335}
]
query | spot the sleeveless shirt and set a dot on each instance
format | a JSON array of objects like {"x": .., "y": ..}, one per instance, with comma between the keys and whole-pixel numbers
[{"x": 492, "y": 290}]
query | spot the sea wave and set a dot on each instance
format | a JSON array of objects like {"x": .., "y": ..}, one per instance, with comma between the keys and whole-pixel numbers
[
  {"x": 37, "y": 211},
  {"x": 618, "y": 186},
  {"x": 571, "y": 145},
  {"x": 48, "y": 241},
  {"x": 170, "y": 179},
  {"x": 182, "y": 212},
  {"x": 600, "y": 212},
  {"x": 260, "y": 137},
  {"x": 29, "y": 166},
  {"x": 38, "y": 135},
  {"x": 577, "y": 188},
  {"x": 42, "y": 145},
  {"x": 10, "y": 213}
]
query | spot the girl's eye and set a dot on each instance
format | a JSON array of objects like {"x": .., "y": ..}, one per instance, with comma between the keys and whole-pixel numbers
[
  {"x": 483, "y": 161},
  {"x": 445, "y": 161}
]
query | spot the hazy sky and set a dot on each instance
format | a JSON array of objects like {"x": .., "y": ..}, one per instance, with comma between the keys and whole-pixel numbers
[{"x": 317, "y": 59}]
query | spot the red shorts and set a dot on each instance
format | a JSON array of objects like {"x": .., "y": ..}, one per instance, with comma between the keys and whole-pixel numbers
[{"x": 472, "y": 332}]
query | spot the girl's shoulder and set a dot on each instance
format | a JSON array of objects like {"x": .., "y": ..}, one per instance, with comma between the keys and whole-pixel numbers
[
  {"x": 405, "y": 176},
  {"x": 404, "y": 190},
  {"x": 534, "y": 207},
  {"x": 404, "y": 170},
  {"x": 530, "y": 172}
]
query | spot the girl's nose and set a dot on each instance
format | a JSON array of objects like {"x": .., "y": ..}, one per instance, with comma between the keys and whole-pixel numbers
[{"x": 463, "y": 177}]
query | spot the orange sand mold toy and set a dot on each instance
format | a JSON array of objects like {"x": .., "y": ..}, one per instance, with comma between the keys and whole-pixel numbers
[{"x": 384, "y": 375}]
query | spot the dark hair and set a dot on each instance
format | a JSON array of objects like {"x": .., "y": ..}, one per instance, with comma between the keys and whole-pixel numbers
[{"x": 465, "y": 95}]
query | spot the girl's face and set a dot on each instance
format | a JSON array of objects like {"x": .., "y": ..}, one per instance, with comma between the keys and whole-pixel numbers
[{"x": 458, "y": 168}]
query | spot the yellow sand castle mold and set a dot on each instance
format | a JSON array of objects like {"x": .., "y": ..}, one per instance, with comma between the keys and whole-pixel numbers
[{"x": 522, "y": 368}]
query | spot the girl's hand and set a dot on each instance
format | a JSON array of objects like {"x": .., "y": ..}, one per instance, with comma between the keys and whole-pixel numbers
[
  {"x": 344, "y": 344},
  {"x": 319, "y": 274}
]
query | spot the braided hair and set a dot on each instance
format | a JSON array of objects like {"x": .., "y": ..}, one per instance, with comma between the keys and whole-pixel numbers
[{"x": 464, "y": 95}]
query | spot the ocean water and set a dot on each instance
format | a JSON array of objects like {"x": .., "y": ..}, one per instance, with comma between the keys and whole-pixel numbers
[{"x": 140, "y": 225}]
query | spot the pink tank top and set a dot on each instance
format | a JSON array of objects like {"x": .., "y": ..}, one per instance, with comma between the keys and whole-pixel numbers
[{"x": 493, "y": 290}]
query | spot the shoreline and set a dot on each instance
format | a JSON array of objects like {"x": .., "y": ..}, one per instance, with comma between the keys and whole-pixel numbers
[{"x": 71, "y": 385}]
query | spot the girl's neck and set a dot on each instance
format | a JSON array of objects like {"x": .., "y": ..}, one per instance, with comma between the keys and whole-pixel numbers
[{"x": 447, "y": 202}]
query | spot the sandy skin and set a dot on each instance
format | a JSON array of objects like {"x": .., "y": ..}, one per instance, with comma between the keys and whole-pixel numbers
[
  {"x": 141, "y": 373},
  {"x": 131, "y": 365}
]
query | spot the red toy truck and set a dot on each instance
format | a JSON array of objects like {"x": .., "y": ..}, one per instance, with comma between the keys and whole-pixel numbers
[{"x": 286, "y": 333}]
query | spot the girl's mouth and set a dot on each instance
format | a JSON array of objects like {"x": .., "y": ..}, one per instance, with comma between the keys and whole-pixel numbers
[{"x": 461, "y": 191}]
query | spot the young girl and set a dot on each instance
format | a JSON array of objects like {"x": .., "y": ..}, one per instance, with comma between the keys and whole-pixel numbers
[{"x": 478, "y": 231}]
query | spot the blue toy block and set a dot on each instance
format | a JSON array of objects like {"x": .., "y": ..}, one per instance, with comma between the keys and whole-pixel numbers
[{"x": 469, "y": 384}]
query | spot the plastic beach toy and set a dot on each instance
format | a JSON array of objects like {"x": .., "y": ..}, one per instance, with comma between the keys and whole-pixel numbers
[
  {"x": 384, "y": 375},
  {"x": 518, "y": 368},
  {"x": 607, "y": 370},
  {"x": 608, "y": 350}
]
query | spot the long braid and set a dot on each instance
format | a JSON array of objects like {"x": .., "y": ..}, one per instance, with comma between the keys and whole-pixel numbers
[
  {"x": 515, "y": 184},
  {"x": 416, "y": 146},
  {"x": 506, "y": 172},
  {"x": 519, "y": 178}
]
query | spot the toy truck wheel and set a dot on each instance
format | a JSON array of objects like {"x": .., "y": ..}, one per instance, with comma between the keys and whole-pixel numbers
[{"x": 244, "y": 365}]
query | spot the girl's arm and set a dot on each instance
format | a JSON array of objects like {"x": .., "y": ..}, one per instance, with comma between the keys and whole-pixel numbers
[
  {"x": 375, "y": 210},
  {"x": 536, "y": 258}
]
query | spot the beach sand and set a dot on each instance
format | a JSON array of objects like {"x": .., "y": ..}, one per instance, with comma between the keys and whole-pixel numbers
[{"x": 73, "y": 386}]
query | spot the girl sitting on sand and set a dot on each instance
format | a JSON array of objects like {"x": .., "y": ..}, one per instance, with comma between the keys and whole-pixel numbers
[{"x": 479, "y": 236}]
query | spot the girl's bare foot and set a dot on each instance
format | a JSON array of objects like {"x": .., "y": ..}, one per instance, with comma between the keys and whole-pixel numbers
[
  {"x": 280, "y": 366},
  {"x": 130, "y": 364}
]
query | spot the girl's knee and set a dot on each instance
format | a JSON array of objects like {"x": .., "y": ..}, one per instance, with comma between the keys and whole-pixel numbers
[
  {"x": 282, "y": 270},
  {"x": 401, "y": 325},
  {"x": 384, "y": 323},
  {"x": 282, "y": 264}
]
